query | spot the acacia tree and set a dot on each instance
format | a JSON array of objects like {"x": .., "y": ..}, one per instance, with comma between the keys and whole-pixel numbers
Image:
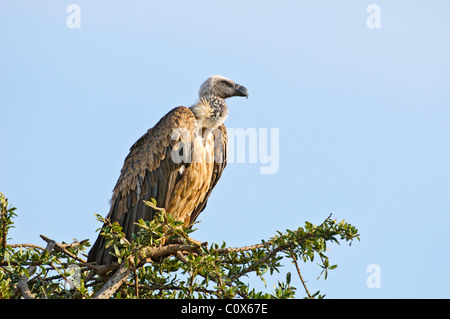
[{"x": 162, "y": 261}]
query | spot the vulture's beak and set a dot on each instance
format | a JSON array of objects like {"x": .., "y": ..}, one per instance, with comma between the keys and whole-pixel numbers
[{"x": 240, "y": 90}]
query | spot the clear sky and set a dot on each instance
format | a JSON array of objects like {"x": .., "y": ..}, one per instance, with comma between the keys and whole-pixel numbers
[{"x": 362, "y": 114}]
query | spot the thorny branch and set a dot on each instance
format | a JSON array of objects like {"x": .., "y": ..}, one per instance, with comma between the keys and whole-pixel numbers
[
  {"x": 294, "y": 260},
  {"x": 150, "y": 265},
  {"x": 22, "y": 285},
  {"x": 123, "y": 271}
]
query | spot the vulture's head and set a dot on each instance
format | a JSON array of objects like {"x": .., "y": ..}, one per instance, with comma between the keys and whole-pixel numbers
[
  {"x": 220, "y": 87},
  {"x": 211, "y": 108}
]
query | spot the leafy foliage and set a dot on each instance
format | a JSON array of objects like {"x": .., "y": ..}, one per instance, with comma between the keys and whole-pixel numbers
[{"x": 162, "y": 261}]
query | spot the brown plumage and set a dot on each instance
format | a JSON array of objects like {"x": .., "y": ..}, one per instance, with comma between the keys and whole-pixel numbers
[{"x": 177, "y": 162}]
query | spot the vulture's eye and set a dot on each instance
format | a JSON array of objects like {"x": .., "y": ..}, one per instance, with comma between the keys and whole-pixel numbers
[{"x": 226, "y": 83}]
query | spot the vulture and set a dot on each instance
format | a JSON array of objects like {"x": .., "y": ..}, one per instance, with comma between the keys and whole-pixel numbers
[{"x": 177, "y": 162}]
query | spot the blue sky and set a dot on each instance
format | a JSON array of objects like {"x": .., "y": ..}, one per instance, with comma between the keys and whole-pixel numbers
[{"x": 363, "y": 117}]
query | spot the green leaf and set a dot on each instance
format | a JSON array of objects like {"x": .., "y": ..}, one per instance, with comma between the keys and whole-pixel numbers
[
  {"x": 264, "y": 281},
  {"x": 116, "y": 250},
  {"x": 288, "y": 278}
]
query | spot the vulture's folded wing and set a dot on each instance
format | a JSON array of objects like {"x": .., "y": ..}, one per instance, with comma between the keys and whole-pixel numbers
[{"x": 149, "y": 172}]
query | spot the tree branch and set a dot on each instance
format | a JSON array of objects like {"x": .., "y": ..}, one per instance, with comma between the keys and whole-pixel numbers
[
  {"x": 62, "y": 248},
  {"x": 26, "y": 245},
  {"x": 144, "y": 255},
  {"x": 114, "y": 282},
  {"x": 294, "y": 258},
  {"x": 222, "y": 251},
  {"x": 22, "y": 285}
]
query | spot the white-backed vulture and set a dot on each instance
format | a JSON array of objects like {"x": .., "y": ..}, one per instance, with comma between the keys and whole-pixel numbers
[{"x": 177, "y": 162}]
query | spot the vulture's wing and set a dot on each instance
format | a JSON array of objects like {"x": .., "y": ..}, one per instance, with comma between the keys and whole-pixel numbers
[
  {"x": 220, "y": 161},
  {"x": 148, "y": 172}
]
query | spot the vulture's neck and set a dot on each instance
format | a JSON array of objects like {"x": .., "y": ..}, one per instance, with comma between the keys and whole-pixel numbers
[{"x": 210, "y": 111}]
